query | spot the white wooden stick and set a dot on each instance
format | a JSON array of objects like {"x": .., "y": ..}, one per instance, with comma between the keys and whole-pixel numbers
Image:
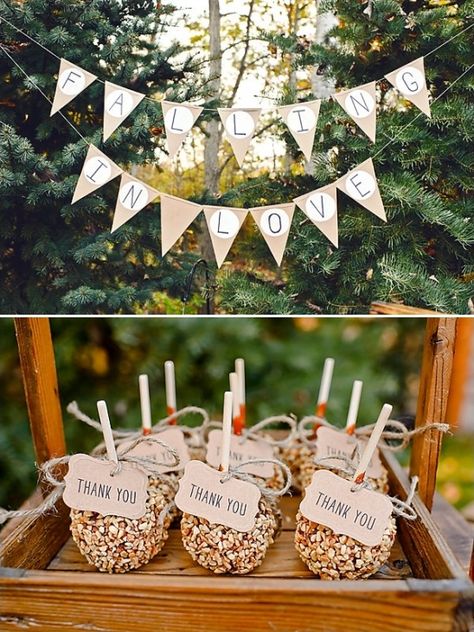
[
  {"x": 325, "y": 387},
  {"x": 354, "y": 406},
  {"x": 240, "y": 370},
  {"x": 170, "y": 386},
  {"x": 371, "y": 446},
  {"x": 226, "y": 431},
  {"x": 107, "y": 431},
  {"x": 234, "y": 387},
  {"x": 145, "y": 405}
]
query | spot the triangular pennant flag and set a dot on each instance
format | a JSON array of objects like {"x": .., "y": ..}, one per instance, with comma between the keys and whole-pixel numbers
[
  {"x": 97, "y": 170},
  {"x": 132, "y": 197},
  {"x": 176, "y": 216},
  {"x": 301, "y": 119},
  {"x": 410, "y": 80},
  {"x": 360, "y": 184},
  {"x": 223, "y": 223},
  {"x": 118, "y": 104},
  {"x": 179, "y": 119},
  {"x": 360, "y": 104},
  {"x": 320, "y": 206},
  {"x": 239, "y": 124},
  {"x": 274, "y": 223},
  {"x": 72, "y": 80}
]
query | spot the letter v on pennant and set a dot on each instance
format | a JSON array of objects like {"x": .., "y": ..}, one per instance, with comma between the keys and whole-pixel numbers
[{"x": 320, "y": 206}]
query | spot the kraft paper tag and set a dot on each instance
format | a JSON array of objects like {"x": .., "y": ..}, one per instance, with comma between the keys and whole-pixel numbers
[
  {"x": 363, "y": 515},
  {"x": 91, "y": 487},
  {"x": 232, "y": 503},
  {"x": 249, "y": 450},
  {"x": 173, "y": 437},
  {"x": 330, "y": 442}
]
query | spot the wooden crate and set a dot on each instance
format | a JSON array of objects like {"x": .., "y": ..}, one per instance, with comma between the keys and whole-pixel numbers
[{"x": 45, "y": 584}]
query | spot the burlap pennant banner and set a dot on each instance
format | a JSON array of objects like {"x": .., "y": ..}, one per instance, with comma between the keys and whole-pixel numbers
[
  {"x": 301, "y": 119},
  {"x": 239, "y": 125},
  {"x": 410, "y": 80},
  {"x": 360, "y": 104},
  {"x": 320, "y": 206},
  {"x": 72, "y": 80},
  {"x": 118, "y": 104},
  {"x": 223, "y": 223},
  {"x": 132, "y": 197},
  {"x": 179, "y": 119},
  {"x": 274, "y": 223},
  {"x": 360, "y": 184},
  {"x": 176, "y": 216},
  {"x": 97, "y": 170}
]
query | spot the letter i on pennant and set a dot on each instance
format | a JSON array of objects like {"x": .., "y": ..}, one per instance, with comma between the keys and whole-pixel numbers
[
  {"x": 97, "y": 170},
  {"x": 72, "y": 80}
]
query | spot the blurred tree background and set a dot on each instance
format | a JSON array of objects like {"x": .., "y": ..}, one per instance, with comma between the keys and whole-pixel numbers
[{"x": 102, "y": 358}]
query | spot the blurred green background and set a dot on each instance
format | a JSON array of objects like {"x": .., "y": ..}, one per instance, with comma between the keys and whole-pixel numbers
[{"x": 101, "y": 358}]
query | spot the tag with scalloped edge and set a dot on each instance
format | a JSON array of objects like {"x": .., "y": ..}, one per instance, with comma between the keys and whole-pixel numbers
[
  {"x": 233, "y": 503},
  {"x": 90, "y": 486},
  {"x": 331, "y": 442},
  {"x": 241, "y": 451},
  {"x": 363, "y": 515},
  {"x": 173, "y": 437}
]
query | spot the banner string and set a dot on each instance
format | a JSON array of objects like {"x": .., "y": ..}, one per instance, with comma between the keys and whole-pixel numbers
[{"x": 265, "y": 109}]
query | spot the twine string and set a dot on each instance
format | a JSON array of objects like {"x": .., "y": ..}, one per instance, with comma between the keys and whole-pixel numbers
[
  {"x": 238, "y": 472},
  {"x": 252, "y": 432}
]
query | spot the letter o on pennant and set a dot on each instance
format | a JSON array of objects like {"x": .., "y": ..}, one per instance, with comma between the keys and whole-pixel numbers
[
  {"x": 320, "y": 207},
  {"x": 409, "y": 80},
  {"x": 134, "y": 196},
  {"x": 240, "y": 124},
  {"x": 72, "y": 81},
  {"x": 97, "y": 170},
  {"x": 119, "y": 103},
  {"x": 275, "y": 222},
  {"x": 179, "y": 120},
  {"x": 224, "y": 223},
  {"x": 360, "y": 185},
  {"x": 301, "y": 119}
]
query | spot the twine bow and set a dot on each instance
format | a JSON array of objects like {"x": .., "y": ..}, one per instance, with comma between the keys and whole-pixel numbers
[
  {"x": 237, "y": 472},
  {"x": 253, "y": 432}
]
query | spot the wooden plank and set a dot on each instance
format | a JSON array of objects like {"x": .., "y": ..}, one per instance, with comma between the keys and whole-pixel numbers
[
  {"x": 460, "y": 376},
  {"x": 40, "y": 382},
  {"x": 397, "y": 309},
  {"x": 32, "y": 501},
  {"x": 49, "y": 601},
  {"x": 433, "y": 393},
  {"x": 457, "y": 532}
]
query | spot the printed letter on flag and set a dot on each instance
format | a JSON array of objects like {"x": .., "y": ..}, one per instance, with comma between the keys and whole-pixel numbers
[
  {"x": 274, "y": 223},
  {"x": 223, "y": 224},
  {"x": 118, "y": 104},
  {"x": 360, "y": 104},
  {"x": 179, "y": 120},
  {"x": 132, "y": 197},
  {"x": 97, "y": 170},
  {"x": 176, "y": 216},
  {"x": 72, "y": 80},
  {"x": 320, "y": 206},
  {"x": 361, "y": 185},
  {"x": 410, "y": 80},
  {"x": 239, "y": 124},
  {"x": 302, "y": 119}
]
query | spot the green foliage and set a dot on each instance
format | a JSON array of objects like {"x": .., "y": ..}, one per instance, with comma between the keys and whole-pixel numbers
[
  {"x": 423, "y": 255},
  {"x": 58, "y": 258},
  {"x": 102, "y": 358}
]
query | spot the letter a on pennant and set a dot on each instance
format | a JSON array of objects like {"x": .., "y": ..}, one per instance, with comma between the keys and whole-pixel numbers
[
  {"x": 179, "y": 119},
  {"x": 72, "y": 80},
  {"x": 410, "y": 80},
  {"x": 223, "y": 224},
  {"x": 239, "y": 124},
  {"x": 360, "y": 184},
  {"x": 301, "y": 119},
  {"x": 176, "y": 216},
  {"x": 360, "y": 104},
  {"x": 132, "y": 197},
  {"x": 320, "y": 206},
  {"x": 97, "y": 170},
  {"x": 118, "y": 104},
  {"x": 274, "y": 223}
]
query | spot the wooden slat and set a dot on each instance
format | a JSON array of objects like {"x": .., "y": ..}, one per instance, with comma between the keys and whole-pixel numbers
[
  {"x": 457, "y": 532},
  {"x": 41, "y": 387},
  {"x": 397, "y": 309},
  {"x": 460, "y": 375},
  {"x": 432, "y": 402}
]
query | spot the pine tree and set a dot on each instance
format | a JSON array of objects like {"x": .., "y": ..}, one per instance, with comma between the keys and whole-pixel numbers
[
  {"x": 58, "y": 258},
  {"x": 423, "y": 255}
]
